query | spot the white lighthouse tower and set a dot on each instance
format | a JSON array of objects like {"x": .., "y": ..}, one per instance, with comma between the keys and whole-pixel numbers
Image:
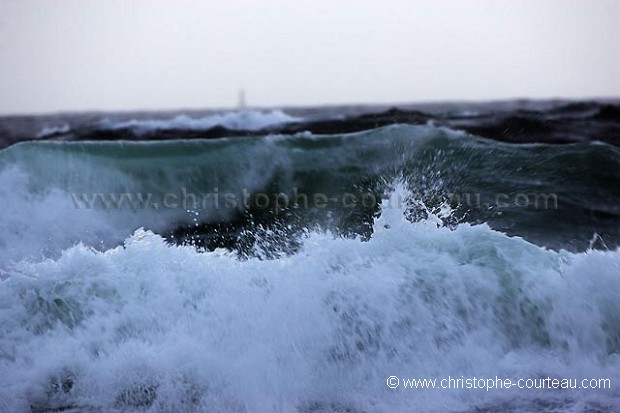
[{"x": 241, "y": 103}]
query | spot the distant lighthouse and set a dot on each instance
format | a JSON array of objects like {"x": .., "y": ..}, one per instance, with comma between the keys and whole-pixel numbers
[{"x": 241, "y": 104}]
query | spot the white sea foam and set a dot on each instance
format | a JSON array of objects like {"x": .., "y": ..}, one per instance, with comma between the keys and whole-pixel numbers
[
  {"x": 53, "y": 130},
  {"x": 149, "y": 326},
  {"x": 240, "y": 120}
]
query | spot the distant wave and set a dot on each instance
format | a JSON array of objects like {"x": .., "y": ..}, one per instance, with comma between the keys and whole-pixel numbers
[
  {"x": 568, "y": 123},
  {"x": 53, "y": 130},
  {"x": 242, "y": 120},
  {"x": 246, "y": 120}
]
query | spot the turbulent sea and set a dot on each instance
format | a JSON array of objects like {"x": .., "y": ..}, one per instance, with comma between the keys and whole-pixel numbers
[{"x": 295, "y": 261}]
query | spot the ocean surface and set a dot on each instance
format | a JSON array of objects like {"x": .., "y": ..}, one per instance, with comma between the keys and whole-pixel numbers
[{"x": 312, "y": 259}]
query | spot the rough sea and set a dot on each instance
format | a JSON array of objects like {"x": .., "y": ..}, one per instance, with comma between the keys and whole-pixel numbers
[{"x": 338, "y": 259}]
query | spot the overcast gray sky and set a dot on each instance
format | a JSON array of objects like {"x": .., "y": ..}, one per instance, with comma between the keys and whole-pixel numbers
[{"x": 154, "y": 54}]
